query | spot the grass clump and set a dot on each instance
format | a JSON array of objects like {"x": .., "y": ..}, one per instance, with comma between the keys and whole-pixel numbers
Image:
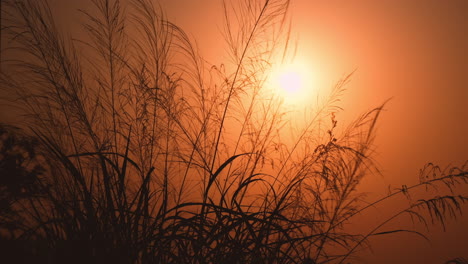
[{"x": 147, "y": 155}]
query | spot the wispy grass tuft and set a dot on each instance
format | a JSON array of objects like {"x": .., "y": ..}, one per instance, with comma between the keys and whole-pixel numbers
[{"x": 148, "y": 154}]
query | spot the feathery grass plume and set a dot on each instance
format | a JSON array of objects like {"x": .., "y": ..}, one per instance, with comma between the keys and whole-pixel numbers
[{"x": 151, "y": 155}]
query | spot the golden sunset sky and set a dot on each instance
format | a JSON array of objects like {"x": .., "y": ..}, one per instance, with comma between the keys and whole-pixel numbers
[{"x": 415, "y": 52}]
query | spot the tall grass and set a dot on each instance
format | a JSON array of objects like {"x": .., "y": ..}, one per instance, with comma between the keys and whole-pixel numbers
[{"x": 151, "y": 155}]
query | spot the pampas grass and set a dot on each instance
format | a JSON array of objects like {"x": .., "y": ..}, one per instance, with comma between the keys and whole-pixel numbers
[{"x": 152, "y": 156}]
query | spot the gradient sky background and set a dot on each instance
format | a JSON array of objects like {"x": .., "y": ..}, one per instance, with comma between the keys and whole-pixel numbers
[{"x": 413, "y": 51}]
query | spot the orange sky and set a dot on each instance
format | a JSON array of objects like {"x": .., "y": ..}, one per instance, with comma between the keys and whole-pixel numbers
[{"x": 414, "y": 51}]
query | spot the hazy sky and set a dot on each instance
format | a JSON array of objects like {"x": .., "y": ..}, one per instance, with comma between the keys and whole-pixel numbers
[
  {"x": 412, "y": 51},
  {"x": 415, "y": 52}
]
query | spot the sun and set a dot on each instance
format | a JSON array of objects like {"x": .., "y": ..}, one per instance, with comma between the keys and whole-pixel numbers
[{"x": 292, "y": 82}]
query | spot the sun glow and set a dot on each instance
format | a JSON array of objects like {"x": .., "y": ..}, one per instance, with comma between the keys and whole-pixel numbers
[{"x": 292, "y": 82}]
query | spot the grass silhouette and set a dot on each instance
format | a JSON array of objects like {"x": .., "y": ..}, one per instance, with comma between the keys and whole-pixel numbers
[{"x": 148, "y": 155}]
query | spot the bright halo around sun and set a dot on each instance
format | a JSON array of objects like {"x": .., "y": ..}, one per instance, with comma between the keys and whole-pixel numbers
[{"x": 292, "y": 82}]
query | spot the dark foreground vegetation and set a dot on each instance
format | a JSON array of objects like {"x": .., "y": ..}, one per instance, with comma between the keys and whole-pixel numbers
[{"x": 134, "y": 150}]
